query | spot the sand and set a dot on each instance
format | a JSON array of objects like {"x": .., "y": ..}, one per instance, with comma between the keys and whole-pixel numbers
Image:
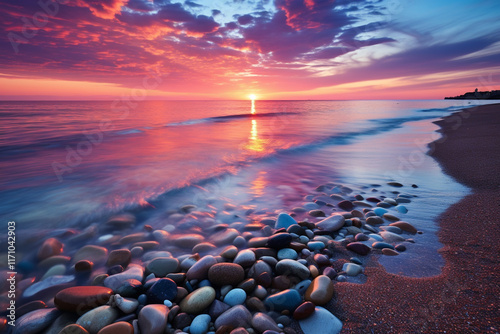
[{"x": 465, "y": 297}]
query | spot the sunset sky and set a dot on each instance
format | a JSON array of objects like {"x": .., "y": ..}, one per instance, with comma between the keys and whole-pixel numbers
[{"x": 229, "y": 49}]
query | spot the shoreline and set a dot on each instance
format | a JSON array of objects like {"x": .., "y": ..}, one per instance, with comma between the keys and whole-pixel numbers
[{"x": 464, "y": 298}]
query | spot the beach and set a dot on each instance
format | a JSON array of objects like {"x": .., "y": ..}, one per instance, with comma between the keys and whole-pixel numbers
[{"x": 464, "y": 298}]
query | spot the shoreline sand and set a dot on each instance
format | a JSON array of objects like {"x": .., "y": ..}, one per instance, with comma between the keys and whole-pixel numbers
[{"x": 464, "y": 298}]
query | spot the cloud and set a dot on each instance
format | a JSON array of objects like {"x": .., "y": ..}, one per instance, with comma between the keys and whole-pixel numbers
[{"x": 105, "y": 9}]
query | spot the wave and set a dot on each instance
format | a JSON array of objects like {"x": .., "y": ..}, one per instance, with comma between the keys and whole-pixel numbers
[{"x": 227, "y": 118}]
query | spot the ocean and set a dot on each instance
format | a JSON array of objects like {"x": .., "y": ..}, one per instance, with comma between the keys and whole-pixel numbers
[{"x": 71, "y": 164}]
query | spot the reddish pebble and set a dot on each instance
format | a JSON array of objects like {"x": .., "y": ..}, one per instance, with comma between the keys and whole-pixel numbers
[
  {"x": 83, "y": 266},
  {"x": 120, "y": 327},
  {"x": 119, "y": 256},
  {"x": 80, "y": 299},
  {"x": 303, "y": 311},
  {"x": 50, "y": 247}
]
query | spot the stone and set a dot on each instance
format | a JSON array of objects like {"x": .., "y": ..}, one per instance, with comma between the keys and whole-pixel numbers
[
  {"x": 57, "y": 270},
  {"x": 279, "y": 240},
  {"x": 393, "y": 229},
  {"x": 361, "y": 237},
  {"x": 83, "y": 266},
  {"x": 285, "y": 300},
  {"x": 245, "y": 258},
  {"x": 394, "y": 184},
  {"x": 74, "y": 329},
  {"x": 358, "y": 248},
  {"x": 54, "y": 260},
  {"x": 352, "y": 269},
  {"x": 379, "y": 212},
  {"x": 389, "y": 252},
  {"x": 254, "y": 304},
  {"x": 96, "y": 319},
  {"x": 182, "y": 320},
  {"x": 120, "y": 257},
  {"x": 374, "y": 220},
  {"x": 407, "y": 227},
  {"x": 225, "y": 237},
  {"x": 292, "y": 267},
  {"x": 262, "y": 323},
  {"x": 239, "y": 330},
  {"x": 236, "y": 316},
  {"x": 92, "y": 253},
  {"x": 50, "y": 247},
  {"x": 287, "y": 253},
  {"x": 187, "y": 241},
  {"x": 346, "y": 205},
  {"x": 226, "y": 274},
  {"x": 163, "y": 289},
  {"x": 316, "y": 245},
  {"x": 235, "y": 297},
  {"x": 162, "y": 266},
  {"x": 80, "y": 299},
  {"x": 317, "y": 213},
  {"x": 391, "y": 237},
  {"x": 114, "y": 270},
  {"x": 382, "y": 245},
  {"x": 153, "y": 319},
  {"x": 198, "y": 300},
  {"x": 332, "y": 223},
  {"x": 29, "y": 307},
  {"x": 302, "y": 286},
  {"x": 134, "y": 271},
  {"x": 200, "y": 324},
  {"x": 129, "y": 288},
  {"x": 35, "y": 321},
  {"x": 229, "y": 252},
  {"x": 217, "y": 308},
  {"x": 321, "y": 321},
  {"x": 248, "y": 285},
  {"x": 49, "y": 284},
  {"x": 204, "y": 248},
  {"x": 199, "y": 270},
  {"x": 400, "y": 247},
  {"x": 320, "y": 292},
  {"x": 120, "y": 327},
  {"x": 303, "y": 311},
  {"x": 402, "y": 209},
  {"x": 126, "y": 305},
  {"x": 391, "y": 217}
]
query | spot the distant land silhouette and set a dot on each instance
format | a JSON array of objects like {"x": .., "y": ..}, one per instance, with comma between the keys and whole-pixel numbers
[{"x": 475, "y": 95}]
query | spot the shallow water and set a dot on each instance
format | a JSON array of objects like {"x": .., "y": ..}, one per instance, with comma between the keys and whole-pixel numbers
[{"x": 75, "y": 163}]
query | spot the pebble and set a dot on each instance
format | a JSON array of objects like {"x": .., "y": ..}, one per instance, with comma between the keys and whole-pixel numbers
[
  {"x": 374, "y": 220},
  {"x": 291, "y": 267},
  {"x": 391, "y": 237},
  {"x": 81, "y": 299},
  {"x": 379, "y": 212},
  {"x": 317, "y": 213},
  {"x": 358, "y": 248},
  {"x": 162, "y": 289},
  {"x": 285, "y": 300},
  {"x": 162, "y": 266},
  {"x": 262, "y": 323},
  {"x": 402, "y": 209},
  {"x": 287, "y": 253},
  {"x": 153, "y": 319},
  {"x": 229, "y": 252},
  {"x": 316, "y": 245},
  {"x": 389, "y": 252},
  {"x": 53, "y": 260},
  {"x": 236, "y": 316},
  {"x": 304, "y": 310},
  {"x": 187, "y": 241},
  {"x": 279, "y": 240},
  {"x": 199, "y": 270},
  {"x": 245, "y": 258},
  {"x": 346, "y": 205},
  {"x": 200, "y": 324},
  {"x": 84, "y": 266},
  {"x": 361, "y": 237},
  {"x": 92, "y": 253},
  {"x": 332, "y": 223},
  {"x": 225, "y": 237},
  {"x": 235, "y": 297},
  {"x": 74, "y": 329},
  {"x": 96, "y": 319},
  {"x": 120, "y": 257},
  {"x": 321, "y": 321},
  {"x": 226, "y": 274},
  {"x": 284, "y": 220},
  {"x": 126, "y": 305},
  {"x": 400, "y": 248},
  {"x": 217, "y": 308},
  {"x": 49, "y": 247},
  {"x": 389, "y": 216},
  {"x": 320, "y": 291},
  {"x": 393, "y": 229},
  {"x": 382, "y": 245},
  {"x": 120, "y": 327},
  {"x": 58, "y": 269},
  {"x": 352, "y": 269},
  {"x": 48, "y": 284},
  {"x": 394, "y": 184},
  {"x": 407, "y": 227},
  {"x": 133, "y": 272},
  {"x": 198, "y": 300},
  {"x": 35, "y": 321}
]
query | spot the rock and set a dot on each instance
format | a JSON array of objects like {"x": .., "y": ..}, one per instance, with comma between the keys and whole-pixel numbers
[
  {"x": 181, "y": 320},
  {"x": 163, "y": 289},
  {"x": 50, "y": 247},
  {"x": 284, "y": 300},
  {"x": 226, "y": 274},
  {"x": 57, "y": 270},
  {"x": 54, "y": 260},
  {"x": 379, "y": 212},
  {"x": 361, "y": 237},
  {"x": 225, "y": 237},
  {"x": 389, "y": 216},
  {"x": 389, "y": 252},
  {"x": 358, "y": 248},
  {"x": 80, "y": 299},
  {"x": 303, "y": 311},
  {"x": 199, "y": 270},
  {"x": 287, "y": 253},
  {"x": 35, "y": 321},
  {"x": 120, "y": 327},
  {"x": 317, "y": 213},
  {"x": 200, "y": 324},
  {"x": 49, "y": 284},
  {"x": 332, "y": 223},
  {"x": 245, "y": 258},
  {"x": 120, "y": 257},
  {"x": 316, "y": 245},
  {"x": 96, "y": 319},
  {"x": 394, "y": 184},
  {"x": 162, "y": 266},
  {"x": 374, "y": 220},
  {"x": 407, "y": 227},
  {"x": 236, "y": 316},
  {"x": 229, "y": 252},
  {"x": 320, "y": 291},
  {"x": 262, "y": 322},
  {"x": 292, "y": 267},
  {"x": 391, "y": 237},
  {"x": 187, "y": 241},
  {"x": 352, "y": 269},
  {"x": 74, "y": 329},
  {"x": 235, "y": 297},
  {"x": 393, "y": 229},
  {"x": 346, "y": 205},
  {"x": 153, "y": 319},
  {"x": 198, "y": 300},
  {"x": 126, "y": 305},
  {"x": 279, "y": 240},
  {"x": 382, "y": 245},
  {"x": 92, "y": 253},
  {"x": 321, "y": 321},
  {"x": 134, "y": 271},
  {"x": 84, "y": 266},
  {"x": 400, "y": 247},
  {"x": 204, "y": 248},
  {"x": 129, "y": 288},
  {"x": 402, "y": 209},
  {"x": 239, "y": 330},
  {"x": 29, "y": 307}
]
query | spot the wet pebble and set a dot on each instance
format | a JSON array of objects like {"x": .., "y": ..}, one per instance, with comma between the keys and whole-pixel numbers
[
  {"x": 198, "y": 300},
  {"x": 153, "y": 319},
  {"x": 162, "y": 289},
  {"x": 321, "y": 321},
  {"x": 96, "y": 319},
  {"x": 81, "y": 299}
]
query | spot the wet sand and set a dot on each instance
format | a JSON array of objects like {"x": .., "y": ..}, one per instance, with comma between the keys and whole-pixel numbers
[{"x": 465, "y": 297}]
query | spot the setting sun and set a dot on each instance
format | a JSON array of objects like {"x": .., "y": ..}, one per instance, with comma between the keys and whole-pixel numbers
[{"x": 252, "y": 96}]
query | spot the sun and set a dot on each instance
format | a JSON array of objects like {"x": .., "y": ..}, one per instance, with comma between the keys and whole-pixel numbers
[{"x": 252, "y": 97}]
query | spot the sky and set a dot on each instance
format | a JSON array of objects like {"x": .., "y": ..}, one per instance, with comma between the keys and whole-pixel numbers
[{"x": 231, "y": 49}]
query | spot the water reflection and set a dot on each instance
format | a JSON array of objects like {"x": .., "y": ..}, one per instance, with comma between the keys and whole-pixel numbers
[
  {"x": 255, "y": 143},
  {"x": 259, "y": 184}
]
